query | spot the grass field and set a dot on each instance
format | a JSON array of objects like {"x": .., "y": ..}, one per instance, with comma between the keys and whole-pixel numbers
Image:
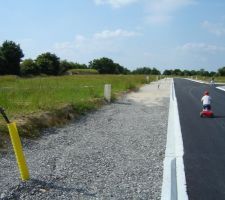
[
  {"x": 26, "y": 96},
  {"x": 83, "y": 71},
  {"x": 218, "y": 79}
]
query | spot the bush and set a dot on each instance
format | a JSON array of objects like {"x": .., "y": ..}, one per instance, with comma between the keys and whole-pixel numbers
[
  {"x": 29, "y": 67},
  {"x": 48, "y": 63}
]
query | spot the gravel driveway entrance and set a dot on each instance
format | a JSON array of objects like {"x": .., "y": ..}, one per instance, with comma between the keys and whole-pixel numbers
[{"x": 116, "y": 152}]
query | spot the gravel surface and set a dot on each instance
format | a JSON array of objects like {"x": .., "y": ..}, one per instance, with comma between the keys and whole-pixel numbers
[{"x": 116, "y": 152}]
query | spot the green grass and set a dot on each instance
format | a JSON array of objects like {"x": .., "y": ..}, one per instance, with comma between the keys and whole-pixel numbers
[
  {"x": 220, "y": 79},
  {"x": 83, "y": 71},
  {"x": 26, "y": 99},
  {"x": 217, "y": 79},
  {"x": 23, "y": 96}
]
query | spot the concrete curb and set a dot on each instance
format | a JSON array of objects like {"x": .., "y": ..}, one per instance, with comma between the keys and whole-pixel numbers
[{"x": 174, "y": 181}]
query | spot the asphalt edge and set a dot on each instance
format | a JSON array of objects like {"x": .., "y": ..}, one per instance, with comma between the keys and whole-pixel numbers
[{"x": 174, "y": 181}]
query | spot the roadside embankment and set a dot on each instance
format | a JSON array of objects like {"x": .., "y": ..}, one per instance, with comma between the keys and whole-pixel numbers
[
  {"x": 115, "y": 152},
  {"x": 42, "y": 102}
]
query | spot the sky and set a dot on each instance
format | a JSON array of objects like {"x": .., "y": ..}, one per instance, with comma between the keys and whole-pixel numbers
[{"x": 166, "y": 34}]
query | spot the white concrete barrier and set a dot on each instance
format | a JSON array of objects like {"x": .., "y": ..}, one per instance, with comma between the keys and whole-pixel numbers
[{"x": 174, "y": 181}]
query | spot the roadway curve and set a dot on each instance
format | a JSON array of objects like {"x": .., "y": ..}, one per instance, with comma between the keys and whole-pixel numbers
[{"x": 203, "y": 139}]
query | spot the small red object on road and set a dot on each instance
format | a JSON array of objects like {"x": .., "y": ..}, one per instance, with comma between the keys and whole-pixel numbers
[{"x": 206, "y": 113}]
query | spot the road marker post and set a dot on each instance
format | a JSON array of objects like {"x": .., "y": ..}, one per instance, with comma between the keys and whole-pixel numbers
[
  {"x": 107, "y": 92},
  {"x": 147, "y": 79},
  {"x": 17, "y": 146}
]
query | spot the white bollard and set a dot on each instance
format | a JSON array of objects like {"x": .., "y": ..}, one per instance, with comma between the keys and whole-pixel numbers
[
  {"x": 107, "y": 92},
  {"x": 147, "y": 79}
]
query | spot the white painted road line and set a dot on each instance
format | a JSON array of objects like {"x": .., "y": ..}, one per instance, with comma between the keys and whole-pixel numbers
[
  {"x": 197, "y": 81},
  {"x": 174, "y": 181},
  {"x": 221, "y": 88}
]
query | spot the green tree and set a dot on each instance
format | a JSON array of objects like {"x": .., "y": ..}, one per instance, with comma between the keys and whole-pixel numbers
[
  {"x": 2, "y": 64},
  {"x": 79, "y": 66},
  {"x": 104, "y": 66},
  {"x": 142, "y": 70},
  {"x": 186, "y": 73},
  {"x": 155, "y": 71},
  {"x": 221, "y": 71},
  {"x": 48, "y": 63},
  {"x": 212, "y": 73},
  {"x": 167, "y": 72},
  {"x": 121, "y": 70},
  {"x": 66, "y": 65},
  {"x": 193, "y": 72},
  {"x": 29, "y": 67},
  {"x": 177, "y": 72},
  {"x": 203, "y": 72},
  {"x": 11, "y": 55}
]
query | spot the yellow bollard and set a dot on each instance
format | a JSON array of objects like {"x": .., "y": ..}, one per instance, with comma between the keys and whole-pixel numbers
[{"x": 15, "y": 139}]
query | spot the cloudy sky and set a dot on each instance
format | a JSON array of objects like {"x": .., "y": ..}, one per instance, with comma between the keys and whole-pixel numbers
[{"x": 166, "y": 34}]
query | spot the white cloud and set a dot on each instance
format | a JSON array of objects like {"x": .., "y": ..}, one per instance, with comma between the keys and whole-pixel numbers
[
  {"x": 107, "y": 34},
  {"x": 63, "y": 46},
  {"x": 161, "y": 11},
  {"x": 158, "y": 18},
  {"x": 201, "y": 47},
  {"x": 216, "y": 28},
  {"x": 105, "y": 41},
  {"x": 82, "y": 44},
  {"x": 115, "y": 3},
  {"x": 157, "y": 11}
]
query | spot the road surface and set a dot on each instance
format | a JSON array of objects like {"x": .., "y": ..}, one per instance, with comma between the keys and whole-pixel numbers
[{"x": 203, "y": 139}]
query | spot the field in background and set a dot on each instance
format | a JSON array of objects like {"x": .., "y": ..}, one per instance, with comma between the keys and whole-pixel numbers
[
  {"x": 218, "y": 79},
  {"x": 82, "y": 71},
  {"x": 21, "y": 96}
]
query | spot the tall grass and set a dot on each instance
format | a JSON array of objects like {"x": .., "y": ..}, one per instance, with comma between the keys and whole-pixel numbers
[
  {"x": 22, "y": 96},
  {"x": 220, "y": 79}
]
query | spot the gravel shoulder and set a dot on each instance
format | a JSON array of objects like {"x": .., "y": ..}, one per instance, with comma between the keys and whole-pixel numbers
[{"x": 116, "y": 152}]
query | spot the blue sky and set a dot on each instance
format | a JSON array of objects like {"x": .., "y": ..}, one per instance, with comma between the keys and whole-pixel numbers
[{"x": 166, "y": 34}]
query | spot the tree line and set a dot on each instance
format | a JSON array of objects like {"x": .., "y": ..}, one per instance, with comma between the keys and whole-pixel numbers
[
  {"x": 48, "y": 63},
  {"x": 201, "y": 72}
]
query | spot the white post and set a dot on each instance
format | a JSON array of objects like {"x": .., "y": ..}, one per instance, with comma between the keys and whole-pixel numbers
[
  {"x": 107, "y": 92},
  {"x": 147, "y": 79}
]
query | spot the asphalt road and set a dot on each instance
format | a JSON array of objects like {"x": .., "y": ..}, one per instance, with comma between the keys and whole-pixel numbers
[{"x": 203, "y": 139}]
